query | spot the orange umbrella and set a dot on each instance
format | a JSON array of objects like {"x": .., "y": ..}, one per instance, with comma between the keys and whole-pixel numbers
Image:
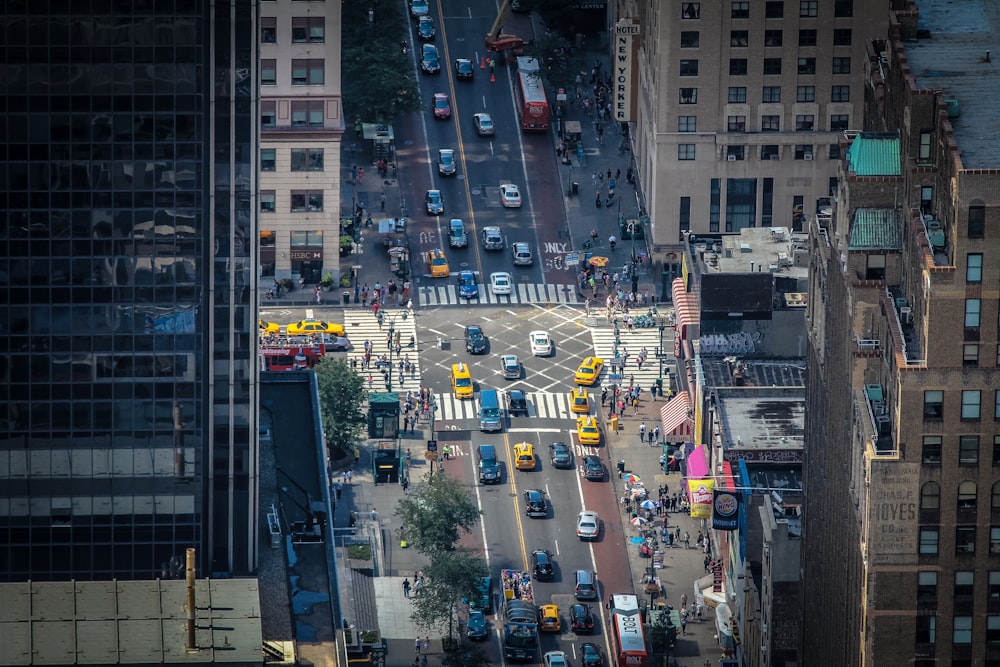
[{"x": 599, "y": 261}]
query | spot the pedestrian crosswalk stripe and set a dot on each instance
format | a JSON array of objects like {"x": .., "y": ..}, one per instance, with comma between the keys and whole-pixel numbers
[
  {"x": 362, "y": 325},
  {"x": 526, "y": 293},
  {"x": 541, "y": 404},
  {"x": 631, "y": 342}
]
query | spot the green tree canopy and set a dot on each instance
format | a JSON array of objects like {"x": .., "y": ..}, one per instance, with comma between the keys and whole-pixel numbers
[
  {"x": 451, "y": 577},
  {"x": 435, "y": 512},
  {"x": 662, "y": 635},
  {"x": 341, "y": 397}
]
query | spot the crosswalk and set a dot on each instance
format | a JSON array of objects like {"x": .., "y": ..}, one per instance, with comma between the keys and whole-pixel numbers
[
  {"x": 362, "y": 325},
  {"x": 523, "y": 293},
  {"x": 541, "y": 404},
  {"x": 632, "y": 343}
]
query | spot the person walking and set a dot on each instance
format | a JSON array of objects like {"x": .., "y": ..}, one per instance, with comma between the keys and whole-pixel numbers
[
  {"x": 361, "y": 174},
  {"x": 406, "y": 588},
  {"x": 427, "y": 645},
  {"x": 447, "y": 452},
  {"x": 340, "y": 489},
  {"x": 416, "y": 645},
  {"x": 642, "y": 431},
  {"x": 687, "y": 540},
  {"x": 381, "y": 201}
]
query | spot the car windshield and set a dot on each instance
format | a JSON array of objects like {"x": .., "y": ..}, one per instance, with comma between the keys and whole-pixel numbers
[
  {"x": 485, "y": 122},
  {"x": 463, "y": 382},
  {"x": 468, "y": 280}
]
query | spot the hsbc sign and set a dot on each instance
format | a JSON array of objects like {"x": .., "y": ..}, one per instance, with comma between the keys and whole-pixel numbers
[{"x": 625, "y": 70}]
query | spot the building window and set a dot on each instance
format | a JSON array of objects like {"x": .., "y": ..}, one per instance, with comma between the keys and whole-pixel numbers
[
  {"x": 736, "y": 124},
  {"x": 996, "y": 404},
  {"x": 843, "y": 8},
  {"x": 268, "y": 30},
  {"x": 970, "y": 404},
  {"x": 964, "y": 584},
  {"x": 268, "y": 72},
  {"x": 926, "y": 198},
  {"x": 974, "y": 268},
  {"x": 684, "y": 216},
  {"x": 933, "y": 405},
  {"x": 770, "y": 123},
  {"x": 807, "y": 37},
  {"x": 307, "y": 201},
  {"x": 972, "y": 310},
  {"x": 834, "y": 152},
  {"x": 689, "y": 68},
  {"x": 689, "y": 95},
  {"x": 965, "y": 539},
  {"x": 928, "y": 540},
  {"x": 741, "y": 203},
  {"x": 301, "y": 239},
  {"x": 771, "y": 94},
  {"x": 977, "y": 222},
  {"x": 772, "y": 38},
  {"x": 841, "y": 65},
  {"x": 774, "y": 9},
  {"x": 769, "y": 152},
  {"x": 268, "y": 114},
  {"x": 803, "y": 152},
  {"x": 805, "y": 123},
  {"x": 690, "y": 39},
  {"x": 840, "y": 94},
  {"x": 995, "y": 540},
  {"x": 740, "y": 10},
  {"x": 307, "y": 113},
  {"x": 963, "y": 630},
  {"x": 841, "y": 36},
  {"x": 807, "y": 65},
  {"x": 308, "y": 71},
  {"x": 808, "y": 8},
  {"x": 737, "y": 67},
  {"x": 924, "y": 152},
  {"x": 687, "y": 124},
  {"x": 739, "y": 38},
  {"x": 685, "y": 151},
  {"x": 805, "y": 94},
  {"x": 931, "y": 449},
  {"x": 737, "y": 94},
  {"x": 930, "y": 496},
  {"x": 970, "y": 354},
  {"x": 926, "y": 587},
  {"x": 772, "y": 66},
  {"x": 735, "y": 152},
  {"x": 993, "y": 629},
  {"x": 267, "y": 201},
  {"x": 839, "y": 121},
  {"x": 714, "y": 206},
  {"x": 308, "y": 29},
  {"x": 995, "y": 497},
  {"x": 996, "y": 450},
  {"x": 926, "y": 627},
  {"x": 690, "y": 10},
  {"x": 993, "y": 588},
  {"x": 307, "y": 159},
  {"x": 267, "y": 159},
  {"x": 967, "y": 495}
]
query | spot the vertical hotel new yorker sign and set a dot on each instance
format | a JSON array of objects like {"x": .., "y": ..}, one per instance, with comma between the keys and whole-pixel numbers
[{"x": 626, "y": 71}]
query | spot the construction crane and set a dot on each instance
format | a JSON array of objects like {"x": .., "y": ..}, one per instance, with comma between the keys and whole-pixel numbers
[{"x": 495, "y": 41}]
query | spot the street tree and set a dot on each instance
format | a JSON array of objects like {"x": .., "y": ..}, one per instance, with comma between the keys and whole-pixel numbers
[
  {"x": 662, "y": 635},
  {"x": 435, "y": 512},
  {"x": 451, "y": 577},
  {"x": 469, "y": 655},
  {"x": 341, "y": 397},
  {"x": 558, "y": 64}
]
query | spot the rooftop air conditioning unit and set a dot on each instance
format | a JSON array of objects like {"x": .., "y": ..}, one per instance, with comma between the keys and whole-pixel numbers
[
  {"x": 807, "y": 156},
  {"x": 732, "y": 158}
]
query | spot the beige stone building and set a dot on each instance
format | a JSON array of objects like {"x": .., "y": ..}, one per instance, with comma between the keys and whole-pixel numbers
[
  {"x": 301, "y": 128},
  {"x": 741, "y": 105}
]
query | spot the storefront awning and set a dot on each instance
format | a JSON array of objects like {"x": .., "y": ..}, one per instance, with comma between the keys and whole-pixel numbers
[
  {"x": 677, "y": 418},
  {"x": 685, "y": 310},
  {"x": 703, "y": 592}
]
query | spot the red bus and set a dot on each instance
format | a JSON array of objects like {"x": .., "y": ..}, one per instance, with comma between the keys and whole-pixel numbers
[
  {"x": 532, "y": 107},
  {"x": 289, "y": 353},
  {"x": 626, "y": 629}
]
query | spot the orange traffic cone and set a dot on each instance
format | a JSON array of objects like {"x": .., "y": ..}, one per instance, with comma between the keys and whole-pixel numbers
[
  {"x": 493, "y": 78},
  {"x": 483, "y": 66}
]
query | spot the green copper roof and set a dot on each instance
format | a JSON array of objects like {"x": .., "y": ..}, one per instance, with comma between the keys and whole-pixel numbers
[
  {"x": 876, "y": 229},
  {"x": 874, "y": 154}
]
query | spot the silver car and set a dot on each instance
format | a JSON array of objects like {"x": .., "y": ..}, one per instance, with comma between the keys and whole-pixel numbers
[
  {"x": 521, "y": 254},
  {"x": 588, "y": 525},
  {"x": 510, "y": 366}
]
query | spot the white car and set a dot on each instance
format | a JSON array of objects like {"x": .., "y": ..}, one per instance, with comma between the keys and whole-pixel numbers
[
  {"x": 541, "y": 344},
  {"x": 510, "y": 196},
  {"x": 588, "y": 525},
  {"x": 501, "y": 282},
  {"x": 555, "y": 659}
]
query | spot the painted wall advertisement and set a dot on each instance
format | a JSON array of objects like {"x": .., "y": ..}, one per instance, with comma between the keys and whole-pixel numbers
[
  {"x": 700, "y": 491},
  {"x": 892, "y": 511}
]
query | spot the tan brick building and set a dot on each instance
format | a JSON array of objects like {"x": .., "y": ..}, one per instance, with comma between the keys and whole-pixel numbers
[{"x": 902, "y": 465}]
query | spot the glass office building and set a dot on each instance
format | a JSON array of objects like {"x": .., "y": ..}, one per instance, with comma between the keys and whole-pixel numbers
[{"x": 128, "y": 132}]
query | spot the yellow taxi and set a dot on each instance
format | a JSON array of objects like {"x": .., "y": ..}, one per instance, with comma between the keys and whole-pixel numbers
[
  {"x": 437, "y": 264},
  {"x": 587, "y": 431},
  {"x": 524, "y": 456},
  {"x": 548, "y": 618},
  {"x": 589, "y": 371},
  {"x": 268, "y": 327},
  {"x": 579, "y": 400},
  {"x": 461, "y": 381},
  {"x": 305, "y": 327}
]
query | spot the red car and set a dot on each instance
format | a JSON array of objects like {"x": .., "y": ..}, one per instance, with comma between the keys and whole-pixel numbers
[{"x": 442, "y": 106}]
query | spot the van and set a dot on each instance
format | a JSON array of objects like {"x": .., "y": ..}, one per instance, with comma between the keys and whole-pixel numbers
[
  {"x": 487, "y": 465},
  {"x": 586, "y": 585},
  {"x": 461, "y": 381},
  {"x": 489, "y": 411}
]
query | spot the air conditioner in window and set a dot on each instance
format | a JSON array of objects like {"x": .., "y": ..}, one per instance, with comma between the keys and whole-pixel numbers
[
  {"x": 807, "y": 156},
  {"x": 773, "y": 156},
  {"x": 732, "y": 158}
]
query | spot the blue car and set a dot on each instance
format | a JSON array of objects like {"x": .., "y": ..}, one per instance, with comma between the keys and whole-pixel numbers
[
  {"x": 467, "y": 286},
  {"x": 476, "y": 627}
]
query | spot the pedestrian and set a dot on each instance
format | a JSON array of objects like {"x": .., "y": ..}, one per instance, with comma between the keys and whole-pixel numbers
[
  {"x": 406, "y": 484},
  {"x": 447, "y": 452},
  {"x": 423, "y": 661},
  {"x": 687, "y": 540},
  {"x": 357, "y": 455},
  {"x": 361, "y": 174},
  {"x": 406, "y": 588},
  {"x": 684, "y": 624},
  {"x": 340, "y": 489},
  {"x": 635, "y": 406},
  {"x": 416, "y": 644},
  {"x": 319, "y": 299},
  {"x": 374, "y": 514},
  {"x": 381, "y": 201},
  {"x": 604, "y": 395},
  {"x": 650, "y": 438},
  {"x": 706, "y": 562},
  {"x": 642, "y": 431},
  {"x": 427, "y": 645},
  {"x": 656, "y": 433},
  {"x": 701, "y": 538},
  {"x": 354, "y": 174}
]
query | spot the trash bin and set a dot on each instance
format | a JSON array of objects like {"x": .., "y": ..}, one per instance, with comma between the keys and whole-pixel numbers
[
  {"x": 659, "y": 386},
  {"x": 621, "y": 467},
  {"x": 576, "y": 188},
  {"x": 613, "y": 424},
  {"x": 347, "y": 297}
]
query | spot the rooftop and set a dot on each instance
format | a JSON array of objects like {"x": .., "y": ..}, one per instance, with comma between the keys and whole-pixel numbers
[
  {"x": 953, "y": 58},
  {"x": 762, "y": 418},
  {"x": 877, "y": 229},
  {"x": 758, "y": 249},
  {"x": 872, "y": 154}
]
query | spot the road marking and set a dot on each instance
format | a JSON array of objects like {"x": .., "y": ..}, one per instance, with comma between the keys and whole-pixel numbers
[{"x": 534, "y": 430}]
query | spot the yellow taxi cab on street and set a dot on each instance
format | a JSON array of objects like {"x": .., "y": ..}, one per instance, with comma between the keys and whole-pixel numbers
[
  {"x": 306, "y": 327},
  {"x": 548, "y": 618},
  {"x": 268, "y": 327},
  {"x": 524, "y": 456},
  {"x": 437, "y": 263},
  {"x": 589, "y": 371},
  {"x": 579, "y": 400},
  {"x": 461, "y": 381},
  {"x": 588, "y": 431}
]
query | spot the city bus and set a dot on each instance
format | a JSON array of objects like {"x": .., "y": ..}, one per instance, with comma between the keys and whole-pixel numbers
[
  {"x": 532, "y": 107},
  {"x": 629, "y": 642}
]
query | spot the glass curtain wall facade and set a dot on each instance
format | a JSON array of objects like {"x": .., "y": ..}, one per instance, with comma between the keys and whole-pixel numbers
[{"x": 128, "y": 136}]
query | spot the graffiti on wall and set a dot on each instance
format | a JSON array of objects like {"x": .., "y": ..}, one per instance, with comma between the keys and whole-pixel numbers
[{"x": 740, "y": 343}]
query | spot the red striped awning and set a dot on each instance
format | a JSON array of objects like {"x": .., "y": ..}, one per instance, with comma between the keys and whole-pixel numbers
[
  {"x": 677, "y": 418},
  {"x": 685, "y": 309}
]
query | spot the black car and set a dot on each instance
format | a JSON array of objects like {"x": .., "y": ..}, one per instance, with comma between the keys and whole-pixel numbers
[
  {"x": 560, "y": 455},
  {"x": 425, "y": 29},
  {"x": 463, "y": 69},
  {"x": 580, "y": 619},
  {"x": 541, "y": 565},
  {"x": 429, "y": 61},
  {"x": 534, "y": 503},
  {"x": 593, "y": 469},
  {"x": 475, "y": 339},
  {"x": 517, "y": 402}
]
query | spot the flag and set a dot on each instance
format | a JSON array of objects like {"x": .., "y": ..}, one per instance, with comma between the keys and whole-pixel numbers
[{"x": 725, "y": 510}]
